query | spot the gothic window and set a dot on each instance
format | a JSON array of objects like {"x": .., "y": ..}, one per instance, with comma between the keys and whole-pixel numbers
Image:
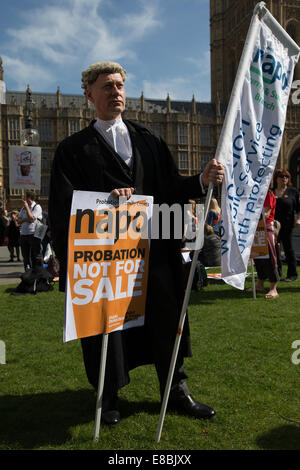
[
  {"x": 45, "y": 130},
  {"x": 45, "y": 185},
  {"x": 182, "y": 134},
  {"x": 204, "y": 159},
  {"x": 14, "y": 128},
  {"x": 47, "y": 157},
  {"x": 293, "y": 29},
  {"x": 157, "y": 129},
  {"x": 74, "y": 126},
  {"x": 205, "y": 136},
  {"x": 183, "y": 160}
]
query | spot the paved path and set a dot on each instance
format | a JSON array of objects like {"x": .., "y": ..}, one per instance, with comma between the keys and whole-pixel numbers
[{"x": 9, "y": 272}]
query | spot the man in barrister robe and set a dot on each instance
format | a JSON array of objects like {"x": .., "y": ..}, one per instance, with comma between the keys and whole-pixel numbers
[{"x": 121, "y": 157}]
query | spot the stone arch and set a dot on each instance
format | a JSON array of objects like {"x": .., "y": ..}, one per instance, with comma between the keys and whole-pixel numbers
[
  {"x": 293, "y": 159},
  {"x": 293, "y": 29}
]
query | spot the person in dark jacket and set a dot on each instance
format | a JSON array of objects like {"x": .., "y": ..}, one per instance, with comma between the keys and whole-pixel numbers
[
  {"x": 210, "y": 254},
  {"x": 13, "y": 233},
  {"x": 288, "y": 214},
  {"x": 3, "y": 226},
  {"x": 119, "y": 157}
]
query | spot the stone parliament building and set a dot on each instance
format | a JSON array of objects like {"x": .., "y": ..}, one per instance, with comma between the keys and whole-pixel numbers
[{"x": 191, "y": 129}]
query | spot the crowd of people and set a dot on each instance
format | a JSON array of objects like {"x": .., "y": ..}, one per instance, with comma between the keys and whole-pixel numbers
[
  {"x": 281, "y": 213},
  {"x": 210, "y": 253},
  {"x": 18, "y": 231}
]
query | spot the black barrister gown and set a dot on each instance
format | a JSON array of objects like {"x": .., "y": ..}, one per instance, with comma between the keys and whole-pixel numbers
[{"x": 84, "y": 161}]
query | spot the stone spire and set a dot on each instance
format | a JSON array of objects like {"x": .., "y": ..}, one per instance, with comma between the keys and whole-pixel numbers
[
  {"x": 142, "y": 102},
  {"x": 218, "y": 105},
  {"x": 194, "y": 110},
  {"x": 1, "y": 69},
  {"x": 28, "y": 94},
  {"x": 168, "y": 103},
  {"x": 2, "y": 85},
  {"x": 58, "y": 98},
  {"x": 29, "y": 135}
]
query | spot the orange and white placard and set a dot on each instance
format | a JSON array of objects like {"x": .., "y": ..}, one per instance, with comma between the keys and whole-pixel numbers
[
  {"x": 108, "y": 258},
  {"x": 260, "y": 247}
]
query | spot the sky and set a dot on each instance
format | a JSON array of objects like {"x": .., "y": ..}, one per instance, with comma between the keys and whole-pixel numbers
[{"x": 162, "y": 44}]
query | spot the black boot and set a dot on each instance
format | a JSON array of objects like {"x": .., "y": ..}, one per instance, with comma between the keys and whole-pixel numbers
[
  {"x": 181, "y": 400},
  {"x": 110, "y": 414}
]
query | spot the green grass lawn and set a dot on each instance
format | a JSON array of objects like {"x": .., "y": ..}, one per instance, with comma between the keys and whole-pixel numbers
[{"x": 241, "y": 365}]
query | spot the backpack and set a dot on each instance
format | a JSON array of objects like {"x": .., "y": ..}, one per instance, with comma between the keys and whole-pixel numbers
[
  {"x": 53, "y": 266},
  {"x": 33, "y": 281},
  {"x": 200, "y": 277}
]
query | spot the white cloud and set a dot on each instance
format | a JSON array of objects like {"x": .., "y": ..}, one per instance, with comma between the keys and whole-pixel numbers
[
  {"x": 161, "y": 88},
  {"x": 201, "y": 64},
  {"x": 75, "y": 33},
  {"x": 56, "y": 40},
  {"x": 138, "y": 25},
  {"x": 178, "y": 88},
  {"x": 182, "y": 87},
  {"x": 24, "y": 73}
]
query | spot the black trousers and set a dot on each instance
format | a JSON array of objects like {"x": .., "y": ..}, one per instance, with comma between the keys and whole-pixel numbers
[
  {"x": 265, "y": 270},
  {"x": 31, "y": 251},
  {"x": 285, "y": 237},
  {"x": 153, "y": 339},
  {"x": 91, "y": 349}
]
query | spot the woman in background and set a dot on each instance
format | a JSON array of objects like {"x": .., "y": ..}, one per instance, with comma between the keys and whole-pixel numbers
[
  {"x": 214, "y": 215},
  {"x": 267, "y": 268},
  {"x": 288, "y": 214}
]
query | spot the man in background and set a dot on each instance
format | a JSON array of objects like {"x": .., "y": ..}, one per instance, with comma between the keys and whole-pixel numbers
[{"x": 30, "y": 245}]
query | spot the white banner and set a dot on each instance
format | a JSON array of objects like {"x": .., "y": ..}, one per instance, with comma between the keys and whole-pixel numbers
[
  {"x": 251, "y": 140},
  {"x": 24, "y": 167}
]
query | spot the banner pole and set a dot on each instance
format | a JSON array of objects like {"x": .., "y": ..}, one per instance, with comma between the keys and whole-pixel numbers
[
  {"x": 181, "y": 324},
  {"x": 221, "y": 156},
  {"x": 259, "y": 10},
  {"x": 280, "y": 33},
  {"x": 230, "y": 116},
  {"x": 100, "y": 386},
  {"x": 253, "y": 279}
]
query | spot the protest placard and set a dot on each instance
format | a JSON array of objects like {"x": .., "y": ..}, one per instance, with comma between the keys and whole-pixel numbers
[
  {"x": 108, "y": 257},
  {"x": 24, "y": 167},
  {"x": 260, "y": 242}
]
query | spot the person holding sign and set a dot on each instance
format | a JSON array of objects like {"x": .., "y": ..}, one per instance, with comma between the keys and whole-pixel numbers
[
  {"x": 123, "y": 157},
  {"x": 268, "y": 267}
]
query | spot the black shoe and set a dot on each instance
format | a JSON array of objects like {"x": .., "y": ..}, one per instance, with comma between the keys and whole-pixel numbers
[
  {"x": 187, "y": 405},
  {"x": 110, "y": 415},
  {"x": 290, "y": 278}
]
